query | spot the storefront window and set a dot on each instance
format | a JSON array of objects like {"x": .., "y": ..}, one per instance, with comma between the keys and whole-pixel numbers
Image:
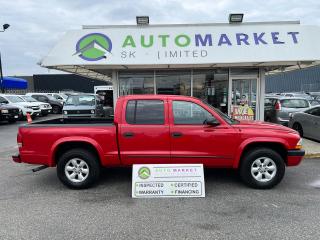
[
  {"x": 244, "y": 98},
  {"x": 173, "y": 82},
  {"x": 136, "y": 83},
  {"x": 211, "y": 86}
]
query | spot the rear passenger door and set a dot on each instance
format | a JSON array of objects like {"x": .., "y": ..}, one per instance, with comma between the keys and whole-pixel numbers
[{"x": 144, "y": 132}]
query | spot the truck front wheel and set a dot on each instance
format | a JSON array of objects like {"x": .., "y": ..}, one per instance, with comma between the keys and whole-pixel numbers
[
  {"x": 262, "y": 168},
  {"x": 78, "y": 169}
]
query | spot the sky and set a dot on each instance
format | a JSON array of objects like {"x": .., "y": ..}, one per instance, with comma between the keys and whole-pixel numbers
[{"x": 37, "y": 25}]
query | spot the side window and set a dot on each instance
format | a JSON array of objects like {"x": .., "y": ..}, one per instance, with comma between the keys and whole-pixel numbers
[
  {"x": 189, "y": 113},
  {"x": 314, "y": 111},
  {"x": 145, "y": 112}
]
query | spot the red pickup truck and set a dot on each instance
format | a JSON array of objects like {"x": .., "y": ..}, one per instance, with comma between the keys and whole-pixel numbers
[{"x": 152, "y": 129}]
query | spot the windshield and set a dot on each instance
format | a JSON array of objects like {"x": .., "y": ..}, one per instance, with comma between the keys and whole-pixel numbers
[
  {"x": 223, "y": 115},
  {"x": 294, "y": 103},
  {"x": 15, "y": 99},
  {"x": 51, "y": 98},
  {"x": 82, "y": 100},
  {"x": 28, "y": 99}
]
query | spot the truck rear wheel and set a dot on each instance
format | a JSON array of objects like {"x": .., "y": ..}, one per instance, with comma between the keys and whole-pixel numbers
[
  {"x": 78, "y": 169},
  {"x": 262, "y": 168}
]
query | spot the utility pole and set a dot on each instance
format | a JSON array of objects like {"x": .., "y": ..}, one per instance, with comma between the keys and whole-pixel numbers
[
  {"x": 1, "y": 76},
  {"x": 5, "y": 26}
]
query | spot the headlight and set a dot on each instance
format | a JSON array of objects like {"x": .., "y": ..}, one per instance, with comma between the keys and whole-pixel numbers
[
  {"x": 4, "y": 111},
  {"x": 92, "y": 111},
  {"x": 299, "y": 144},
  {"x": 65, "y": 112}
]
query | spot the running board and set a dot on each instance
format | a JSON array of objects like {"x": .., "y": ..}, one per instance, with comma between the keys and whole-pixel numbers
[{"x": 37, "y": 169}]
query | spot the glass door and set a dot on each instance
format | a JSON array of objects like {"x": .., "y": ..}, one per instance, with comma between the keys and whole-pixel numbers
[{"x": 243, "y": 98}]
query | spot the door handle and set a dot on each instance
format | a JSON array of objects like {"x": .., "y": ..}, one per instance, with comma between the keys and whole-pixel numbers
[
  {"x": 128, "y": 134},
  {"x": 176, "y": 134}
]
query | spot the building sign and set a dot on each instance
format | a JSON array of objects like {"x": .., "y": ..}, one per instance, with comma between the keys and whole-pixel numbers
[
  {"x": 240, "y": 112},
  {"x": 189, "y": 44},
  {"x": 167, "y": 180}
]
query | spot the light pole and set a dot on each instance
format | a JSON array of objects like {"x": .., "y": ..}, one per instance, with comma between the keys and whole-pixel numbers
[{"x": 5, "y": 26}]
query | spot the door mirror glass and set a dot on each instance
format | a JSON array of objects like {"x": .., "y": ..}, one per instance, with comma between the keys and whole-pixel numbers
[{"x": 211, "y": 122}]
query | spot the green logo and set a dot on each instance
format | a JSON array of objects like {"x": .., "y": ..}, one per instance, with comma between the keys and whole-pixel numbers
[
  {"x": 144, "y": 172},
  {"x": 93, "y": 47}
]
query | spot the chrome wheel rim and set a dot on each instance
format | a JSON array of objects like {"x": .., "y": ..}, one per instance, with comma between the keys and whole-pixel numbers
[
  {"x": 76, "y": 170},
  {"x": 263, "y": 169}
]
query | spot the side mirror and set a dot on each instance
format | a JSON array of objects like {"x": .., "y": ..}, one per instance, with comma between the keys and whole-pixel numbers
[{"x": 211, "y": 122}]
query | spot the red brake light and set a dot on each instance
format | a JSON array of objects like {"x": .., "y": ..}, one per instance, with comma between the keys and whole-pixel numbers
[{"x": 278, "y": 106}]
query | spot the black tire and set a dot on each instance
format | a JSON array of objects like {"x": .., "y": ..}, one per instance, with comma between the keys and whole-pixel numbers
[
  {"x": 247, "y": 162},
  {"x": 297, "y": 126},
  {"x": 56, "y": 109},
  {"x": 92, "y": 164}
]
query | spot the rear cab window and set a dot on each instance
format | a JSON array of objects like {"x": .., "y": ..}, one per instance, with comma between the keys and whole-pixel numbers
[{"x": 145, "y": 112}]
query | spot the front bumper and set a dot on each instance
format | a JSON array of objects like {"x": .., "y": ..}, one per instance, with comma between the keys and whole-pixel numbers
[
  {"x": 79, "y": 115},
  {"x": 45, "y": 111},
  {"x": 295, "y": 156},
  {"x": 9, "y": 116}
]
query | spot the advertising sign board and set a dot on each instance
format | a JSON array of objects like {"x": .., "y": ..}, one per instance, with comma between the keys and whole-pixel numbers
[{"x": 167, "y": 180}]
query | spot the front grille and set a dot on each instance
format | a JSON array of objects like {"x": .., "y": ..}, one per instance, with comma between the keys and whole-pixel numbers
[
  {"x": 14, "y": 111},
  {"x": 35, "y": 108},
  {"x": 79, "y": 111}
]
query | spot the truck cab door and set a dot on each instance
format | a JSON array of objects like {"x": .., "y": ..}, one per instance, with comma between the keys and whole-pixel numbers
[
  {"x": 198, "y": 137},
  {"x": 144, "y": 132}
]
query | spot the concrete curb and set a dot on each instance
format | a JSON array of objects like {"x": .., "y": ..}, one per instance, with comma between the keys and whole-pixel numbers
[{"x": 312, "y": 155}]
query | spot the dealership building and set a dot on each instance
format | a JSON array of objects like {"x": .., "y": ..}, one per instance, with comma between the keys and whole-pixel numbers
[{"x": 224, "y": 64}]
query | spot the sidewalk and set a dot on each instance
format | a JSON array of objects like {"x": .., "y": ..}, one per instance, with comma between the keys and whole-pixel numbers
[{"x": 312, "y": 148}]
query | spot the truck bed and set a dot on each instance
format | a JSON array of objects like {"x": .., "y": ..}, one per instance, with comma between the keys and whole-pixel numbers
[{"x": 42, "y": 139}]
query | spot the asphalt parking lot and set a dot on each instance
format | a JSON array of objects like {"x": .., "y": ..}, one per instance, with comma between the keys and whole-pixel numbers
[{"x": 38, "y": 206}]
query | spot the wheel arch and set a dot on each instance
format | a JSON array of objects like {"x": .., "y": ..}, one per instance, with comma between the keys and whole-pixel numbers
[
  {"x": 278, "y": 145},
  {"x": 65, "y": 144}
]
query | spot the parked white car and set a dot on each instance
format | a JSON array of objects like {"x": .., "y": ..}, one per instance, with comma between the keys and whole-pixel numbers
[
  {"x": 26, "y": 107},
  {"x": 45, "y": 108}
]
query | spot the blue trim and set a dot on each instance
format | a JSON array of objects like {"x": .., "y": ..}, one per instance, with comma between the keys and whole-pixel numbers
[{"x": 14, "y": 83}]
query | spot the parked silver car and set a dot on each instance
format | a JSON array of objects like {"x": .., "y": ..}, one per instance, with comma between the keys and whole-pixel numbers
[
  {"x": 307, "y": 123},
  {"x": 83, "y": 105},
  {"x": 277, "y": 109}
]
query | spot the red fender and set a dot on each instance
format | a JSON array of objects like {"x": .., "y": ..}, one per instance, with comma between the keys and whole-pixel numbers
[
  {"x": 74, "y": 139},
  {"x": 248, "y": 141}
]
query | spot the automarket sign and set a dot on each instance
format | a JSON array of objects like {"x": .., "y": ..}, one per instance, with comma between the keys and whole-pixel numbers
[
  {"x": 190, "y": 44},
  {"x": 167, "y": 180}
]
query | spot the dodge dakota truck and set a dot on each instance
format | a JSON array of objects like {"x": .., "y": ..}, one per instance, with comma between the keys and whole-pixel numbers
[{"x": 154, "y": 129}]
